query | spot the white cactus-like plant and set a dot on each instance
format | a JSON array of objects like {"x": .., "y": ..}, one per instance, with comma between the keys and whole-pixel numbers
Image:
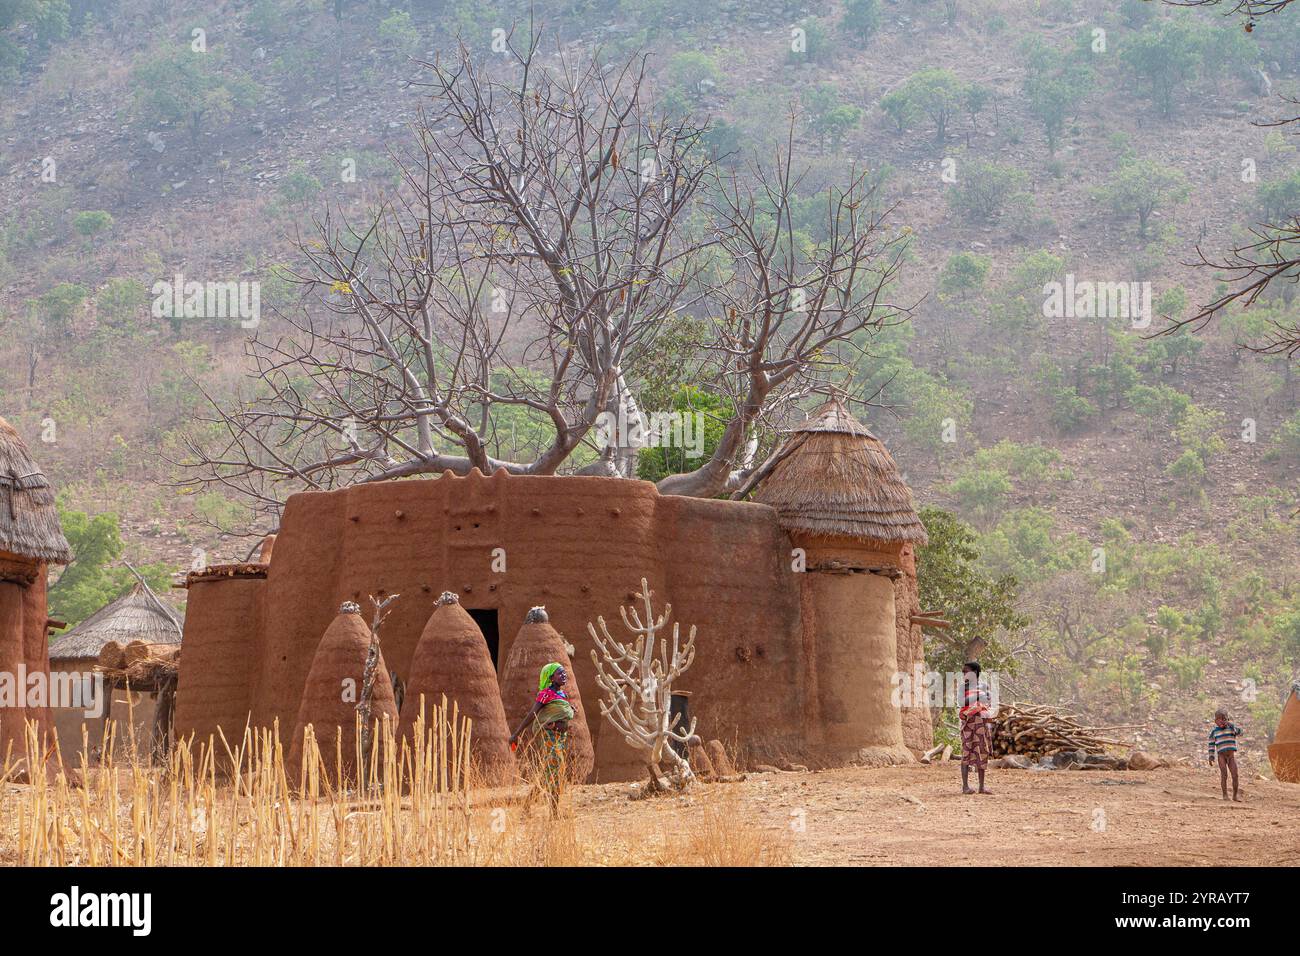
[{"x": 637, "y": 680}]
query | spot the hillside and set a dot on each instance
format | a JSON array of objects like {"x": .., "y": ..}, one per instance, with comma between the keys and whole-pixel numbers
[{"x": 1141, "y": 489}]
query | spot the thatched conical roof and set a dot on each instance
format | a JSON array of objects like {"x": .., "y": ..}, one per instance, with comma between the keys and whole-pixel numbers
[
  {"x": 138, "y": 615},
  {"x": 29, "y": 521},
  {"x": 833, "y": 477}
]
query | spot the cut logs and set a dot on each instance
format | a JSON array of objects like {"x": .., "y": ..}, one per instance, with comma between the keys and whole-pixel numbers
[{"x": 1035, "y": 730}]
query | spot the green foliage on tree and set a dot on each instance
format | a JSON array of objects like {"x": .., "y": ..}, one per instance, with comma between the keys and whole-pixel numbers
[
  {"x": 1279, "y": 199},
  {"x": 963, "y": 275},
  {"x": 935, "y": 92},
  {"x": 1166, "y": 57},
  {"x": 984, "y": 189},
  {"x": 299, "y": 186},
  {"x": 92, "y": 222},
  {"x": 1054, "y": 87},
  {"x": 828, "y": 116},
  {"x": 862, "y": 18},
  {"x": 950, "y": 578},
  {"x": 708, "y": 415},
  {"x": 1140, "y": 187},
  {"x": 1287, "y": 439},
  {"x": 94, "y": 577},
  {"x": 980, "y": 493},
  {"x": 184, "y": 86},
  {"x": 57, "y": 307},
  {"x": 120, "y": 303},
  {"x": 399, "y": 32}
]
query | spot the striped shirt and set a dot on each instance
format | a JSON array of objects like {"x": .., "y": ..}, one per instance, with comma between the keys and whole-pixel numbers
[{"x": 1223, "y": 739}]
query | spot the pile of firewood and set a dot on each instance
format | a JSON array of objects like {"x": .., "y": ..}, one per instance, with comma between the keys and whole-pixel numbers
[{"x": 1035, "y": 730}]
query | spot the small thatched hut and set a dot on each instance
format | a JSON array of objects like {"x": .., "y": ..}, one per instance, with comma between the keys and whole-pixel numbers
[
  {"x": 833, "y": 478},
  {"x": 30, "y": 540},
  {"x": 839, "y": 494},
  {"x": 138, "y": 618}
]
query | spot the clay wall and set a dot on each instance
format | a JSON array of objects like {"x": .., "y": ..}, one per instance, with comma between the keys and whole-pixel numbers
[
  {"x": 24, "y": 645},
  {"x": 577, "y": 545}
]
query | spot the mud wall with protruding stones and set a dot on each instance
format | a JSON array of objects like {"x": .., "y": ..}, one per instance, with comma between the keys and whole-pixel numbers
[{"x": 577, "y": 545}]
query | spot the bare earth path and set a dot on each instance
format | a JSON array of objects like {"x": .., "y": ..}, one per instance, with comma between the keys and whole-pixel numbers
[{"x": 917, "y": 816}]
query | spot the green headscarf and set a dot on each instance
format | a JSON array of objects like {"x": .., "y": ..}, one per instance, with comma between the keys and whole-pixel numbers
[{"x": 547, "y": 673}]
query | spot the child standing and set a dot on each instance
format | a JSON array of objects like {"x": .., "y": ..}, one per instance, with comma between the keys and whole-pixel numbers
[
  {"x": 1223, "y": 746},
  {"x": 976, "y": 739}
]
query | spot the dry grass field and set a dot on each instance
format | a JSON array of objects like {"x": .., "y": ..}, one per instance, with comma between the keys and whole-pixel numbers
[{"x": 428, "y": 812}]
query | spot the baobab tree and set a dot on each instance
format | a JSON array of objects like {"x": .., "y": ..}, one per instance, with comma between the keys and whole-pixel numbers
[{"x": 548, "y": 226}]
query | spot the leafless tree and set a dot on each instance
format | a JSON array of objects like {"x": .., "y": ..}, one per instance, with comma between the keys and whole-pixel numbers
[
  {"x": 1273, "y": 254},
  {"x": 1252, "y": 270},
  {"x": 548, "y": 226}
]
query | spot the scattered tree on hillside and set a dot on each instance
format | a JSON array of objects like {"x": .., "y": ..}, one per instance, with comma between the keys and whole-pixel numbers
[
  {"x": 862, "y": 18},
  {"x": 184, "y": 86},
  {"x": 1140, "y": 187},
  {"x": 1054, "y": 87},
  {"x": 984, "y": 189},
  {"x": 934, "y": 92}
]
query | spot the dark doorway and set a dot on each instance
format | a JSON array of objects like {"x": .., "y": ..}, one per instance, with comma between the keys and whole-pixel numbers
[{"x": 487, "y": 623}]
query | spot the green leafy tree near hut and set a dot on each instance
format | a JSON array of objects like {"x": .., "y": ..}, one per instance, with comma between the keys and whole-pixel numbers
[
  {"x": 94, "y": 577},
  {"x": 978, "y": 604}
]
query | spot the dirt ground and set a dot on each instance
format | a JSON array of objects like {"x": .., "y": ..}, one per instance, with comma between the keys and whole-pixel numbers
[{"x": 916, "y": 815}]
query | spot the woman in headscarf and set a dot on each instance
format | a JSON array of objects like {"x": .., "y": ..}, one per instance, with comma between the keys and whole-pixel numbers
[{"x": 550, "y": 715}]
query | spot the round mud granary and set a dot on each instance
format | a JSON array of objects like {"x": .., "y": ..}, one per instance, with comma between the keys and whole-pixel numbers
[
  {"x": 329, "y": 701},
  {"x": 452, "y": 661},
  {"x": 839, "y": 494},
  {"x": 30, "y": 540}
]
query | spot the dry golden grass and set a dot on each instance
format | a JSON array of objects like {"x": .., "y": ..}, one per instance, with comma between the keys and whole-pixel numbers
[{"x": 416, "y": 803}]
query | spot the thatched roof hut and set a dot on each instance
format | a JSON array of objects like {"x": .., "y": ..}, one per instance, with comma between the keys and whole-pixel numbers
[
  {"x": 833, "y": 477},
  {"x": 138, "y": 615},
  {"x": 29, "y": 521}
]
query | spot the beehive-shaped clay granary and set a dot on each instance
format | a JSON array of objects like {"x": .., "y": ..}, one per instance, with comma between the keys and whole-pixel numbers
[
  {"x": 30, "y": 540},
  {"x": 840, "y": 496},
  {"x": 453, "y": 660},
  {"x": 536, "y": 645},
  {"x": 334, "y": 687},
  {"x": 1284, "y": 751}
]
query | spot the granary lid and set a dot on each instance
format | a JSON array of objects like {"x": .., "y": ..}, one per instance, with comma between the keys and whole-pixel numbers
[
  {"x": 29, "y": 520},
  {"x": 138, "y": 615},
  {"x": 831, "y": 476}
]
